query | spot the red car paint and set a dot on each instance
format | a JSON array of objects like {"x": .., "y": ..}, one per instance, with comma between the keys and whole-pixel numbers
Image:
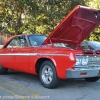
[{"x": 79, "y": 23}]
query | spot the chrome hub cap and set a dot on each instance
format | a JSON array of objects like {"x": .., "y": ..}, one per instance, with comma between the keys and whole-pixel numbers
[{"x": 47, "y": 74}]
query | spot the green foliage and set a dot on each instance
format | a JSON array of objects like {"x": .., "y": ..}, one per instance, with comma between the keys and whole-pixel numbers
[
  {"x": 39, "y": 16},
  {"x": 95, "y": 36}
]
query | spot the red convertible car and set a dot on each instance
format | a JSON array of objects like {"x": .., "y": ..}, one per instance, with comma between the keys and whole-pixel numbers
[{"x": 48, "y": 58}]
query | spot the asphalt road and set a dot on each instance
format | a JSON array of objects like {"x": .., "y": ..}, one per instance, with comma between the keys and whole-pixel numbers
[{"x": 21, "y": 86}]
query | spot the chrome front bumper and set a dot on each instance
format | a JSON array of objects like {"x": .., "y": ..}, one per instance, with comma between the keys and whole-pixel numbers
[{"x": 82, "y": 73}]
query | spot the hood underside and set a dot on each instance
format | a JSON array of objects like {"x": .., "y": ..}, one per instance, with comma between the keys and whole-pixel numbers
[{"x": 75, "y": 27}]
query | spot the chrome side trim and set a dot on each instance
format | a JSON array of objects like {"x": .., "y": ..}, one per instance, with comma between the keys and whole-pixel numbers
[
  {"x": 53, "y": 54},
  {"x": 32, "y": 54},
  {"x": 18, "y": 54}
]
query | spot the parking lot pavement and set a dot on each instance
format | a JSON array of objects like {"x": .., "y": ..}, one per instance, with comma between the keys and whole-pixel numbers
[
  {"x": 12, "y": 86},
  {"x": 16, "y": 90},
  {"x": 21, "y": 86},
  {"x": 12, "y": 91}
]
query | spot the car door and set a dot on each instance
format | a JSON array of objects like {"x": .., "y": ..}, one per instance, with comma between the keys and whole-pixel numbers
[{"x": 21, "y": 52}]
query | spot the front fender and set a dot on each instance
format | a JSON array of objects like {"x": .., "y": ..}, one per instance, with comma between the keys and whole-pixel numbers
[{"x": 62, "y": 63}]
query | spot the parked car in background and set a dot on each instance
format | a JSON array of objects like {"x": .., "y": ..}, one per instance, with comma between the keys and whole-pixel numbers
[{"x": 92, "y": 45}]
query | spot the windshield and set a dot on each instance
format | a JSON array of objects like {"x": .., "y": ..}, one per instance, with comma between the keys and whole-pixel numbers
[
  {"x": 84, "y": 45},
  {"x": 36, "y": 40}
]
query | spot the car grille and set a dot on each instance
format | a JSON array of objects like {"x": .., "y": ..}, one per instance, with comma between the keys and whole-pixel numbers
[{"x": 93, "y": 61}]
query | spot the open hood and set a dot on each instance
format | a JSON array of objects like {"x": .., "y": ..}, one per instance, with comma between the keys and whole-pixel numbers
[{"x": 75, "y": 27}]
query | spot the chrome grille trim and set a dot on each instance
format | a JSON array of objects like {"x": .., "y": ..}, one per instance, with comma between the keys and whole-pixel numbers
[{"x": 93, "y": 61}]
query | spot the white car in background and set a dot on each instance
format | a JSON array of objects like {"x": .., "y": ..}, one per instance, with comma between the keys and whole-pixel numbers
[{"x": 91, "y": 45}]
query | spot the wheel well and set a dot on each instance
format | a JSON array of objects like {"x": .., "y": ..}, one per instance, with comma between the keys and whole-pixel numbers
[{"x": 39, "y": 62}]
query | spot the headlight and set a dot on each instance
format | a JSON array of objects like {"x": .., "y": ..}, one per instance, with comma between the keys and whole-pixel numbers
[
  {"x": 84, "y": 61},
  {"x": 81, "y": 61},
  {"x": 78, "y": 61}
]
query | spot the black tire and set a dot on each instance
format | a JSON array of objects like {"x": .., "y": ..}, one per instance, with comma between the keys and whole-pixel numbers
[
  {"x": 48, "y": 75},
  {"x": 92, "y": 79},
  {"x": 3, "y": 70}
]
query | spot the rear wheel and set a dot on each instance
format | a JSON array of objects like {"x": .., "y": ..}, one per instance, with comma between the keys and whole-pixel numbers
[
  {"x": 92, "y": 79},
  {"x": 48, "y": 75},
  {"x": 3, "y": 70}
]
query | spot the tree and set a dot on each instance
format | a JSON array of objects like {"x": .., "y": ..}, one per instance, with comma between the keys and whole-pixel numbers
[
  {"x": 39, "y": 16},
  {"x": 96, "y": 33}
]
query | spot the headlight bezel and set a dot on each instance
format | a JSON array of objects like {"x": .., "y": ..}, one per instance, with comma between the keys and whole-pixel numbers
[
  {"x": 81, "y": 61},
  {"x": 78, "y": 62},
  {"x": 84, "y": 61}
]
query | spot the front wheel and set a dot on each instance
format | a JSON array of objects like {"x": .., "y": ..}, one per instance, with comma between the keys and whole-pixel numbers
[
  {"x": 92, "y": 79},
  {"x": 3, "y": 70},
  {"x": 48, "y": 75}
]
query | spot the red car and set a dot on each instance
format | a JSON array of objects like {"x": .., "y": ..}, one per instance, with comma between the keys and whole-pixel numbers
[{"x": 48, "y": 58}]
